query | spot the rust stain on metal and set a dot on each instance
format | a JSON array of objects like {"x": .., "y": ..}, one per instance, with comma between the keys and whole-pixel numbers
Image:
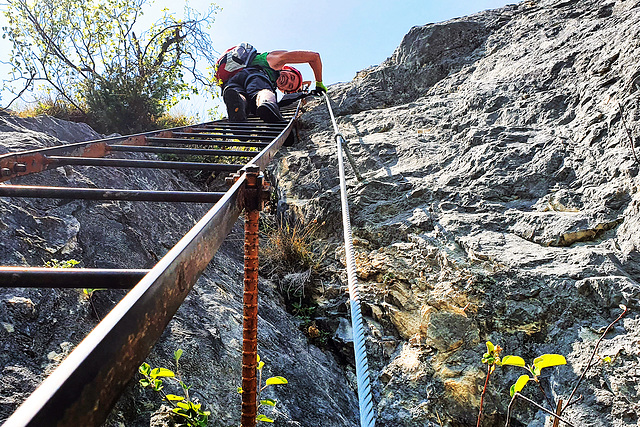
[
  {"x": 250, "y": 320},
  {"x": 99, "y": 149},
  {"x": 254, "y": 195},
  {"x": 136, "y": 140},
  {"x": 22, "y": 165},
  {"x": 165, "y": 134}
]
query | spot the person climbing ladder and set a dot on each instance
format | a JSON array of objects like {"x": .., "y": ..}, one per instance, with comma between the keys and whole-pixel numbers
[{"x": 252, "y": 88}]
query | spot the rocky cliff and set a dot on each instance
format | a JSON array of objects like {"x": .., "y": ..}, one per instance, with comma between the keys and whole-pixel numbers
[{"x": 500, "y": 203}]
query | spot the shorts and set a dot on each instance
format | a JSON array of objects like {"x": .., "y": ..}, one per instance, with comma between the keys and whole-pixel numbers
[{"x": 250, "y": 81}]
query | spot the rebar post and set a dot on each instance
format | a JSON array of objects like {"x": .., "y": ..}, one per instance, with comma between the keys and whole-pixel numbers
[{"x": 255, "y": 190}]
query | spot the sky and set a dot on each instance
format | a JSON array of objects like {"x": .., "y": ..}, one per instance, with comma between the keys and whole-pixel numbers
[{"x": 350, "y": 35}]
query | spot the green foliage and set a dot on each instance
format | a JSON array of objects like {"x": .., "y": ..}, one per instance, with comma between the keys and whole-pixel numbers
[
  {"x": 89, "y": 291},
  {"x": 492, "y": 359},
  {"x": 539, "y": 363},
  {"x": 519, "y": 385},
  {"x": 270, "y": 381},
  {"x": 513, "y": 361},
  {"x": 188, "y": 412},
  {"x": 54, "y": 107},
  {"x": 304, "y": 313},
  {"x": 492, "y": 356},
  {"x": 88, "y": 54},
  {"x": 174, "y": 120},
  {"x": 55, "y": 263}
]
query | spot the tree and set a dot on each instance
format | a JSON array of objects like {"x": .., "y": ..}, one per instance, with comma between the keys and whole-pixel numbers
[{"x": 88, "y": 54}]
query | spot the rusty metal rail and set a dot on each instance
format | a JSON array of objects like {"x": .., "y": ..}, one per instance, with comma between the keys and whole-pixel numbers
[{"x": 86, "y": 385}]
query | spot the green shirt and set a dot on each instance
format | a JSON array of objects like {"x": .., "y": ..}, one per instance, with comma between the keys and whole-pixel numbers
[{"x": 261, "y": 61}]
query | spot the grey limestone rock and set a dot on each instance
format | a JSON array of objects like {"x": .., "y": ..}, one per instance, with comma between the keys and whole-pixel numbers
[{"x": 499, "y": 203}]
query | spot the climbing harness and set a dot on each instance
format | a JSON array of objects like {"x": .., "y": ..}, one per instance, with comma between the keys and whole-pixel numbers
[{"x": 367, "y": 416}]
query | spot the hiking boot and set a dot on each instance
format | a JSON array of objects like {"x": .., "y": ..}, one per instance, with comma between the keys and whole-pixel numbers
[
  {"x": 236, "y": 105},
  {"x": 269, "y": 113}
]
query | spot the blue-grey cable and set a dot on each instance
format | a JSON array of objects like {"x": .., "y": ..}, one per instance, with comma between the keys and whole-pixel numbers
[{"x": 367, "y": 415}]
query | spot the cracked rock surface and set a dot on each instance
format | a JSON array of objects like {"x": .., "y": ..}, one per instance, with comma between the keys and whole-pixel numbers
[{"x": 500, "y": 202}]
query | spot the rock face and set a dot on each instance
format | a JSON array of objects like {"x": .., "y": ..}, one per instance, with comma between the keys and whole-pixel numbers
[
  {"x": 39, "y": 327},
  {"x": 500, "y": 203}
]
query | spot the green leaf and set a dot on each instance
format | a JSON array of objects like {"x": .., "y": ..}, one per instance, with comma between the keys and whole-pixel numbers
[
  {"x": 268, "y": 402},
  {"x": 490, "y": 347},
  {"x": 180, "y": 411},
  {"x": 177, "y": 354},
  {"x": 240, "y": 390},
  {"x": 145, "y": 382},
  {"x": 173, "y": 397},
  {"x": 519, "y": 385},
  {"x": 162, "y": 372},
  {"x": 144, "y": 369},
  {"x": 513, "y": 361},
  {"x": 263, "y": 418},
  {"x": 535, "y": 370},
  {"x": 547, "y": 360},
  {"x": 276, "y": 380},
  {"x": 157, "y": 385}
]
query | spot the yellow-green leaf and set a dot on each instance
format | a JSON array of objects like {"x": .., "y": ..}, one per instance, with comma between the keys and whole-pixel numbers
[
  {"x": 519, "y": 385},
  {"x": 513, "y": 361},
  {"x": 162, "y": 372},
  {"x": 174, "y": 397},
  {"x": 263, "y": 418},
  {"x": 268, "y": 402},
  {"x": 490, "y": 347},
  {"x": 240, "y": 390},
  {"x": 144, "y": 369},
  {"x": 260, "y": 365},
  {"x": 276, "y": 380},
  {"x": 547, "y": 360}
]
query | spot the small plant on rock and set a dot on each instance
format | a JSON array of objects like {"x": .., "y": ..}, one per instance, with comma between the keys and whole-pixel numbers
[
  {"x": 492, "y": 358},
  {"x": 289, "y": 246},
  {"x": 265, "y": 402},
  {"x": 188, "y": 412},
  {"x": 55, "y": 263},
  {"x": 535, "y": 369}
]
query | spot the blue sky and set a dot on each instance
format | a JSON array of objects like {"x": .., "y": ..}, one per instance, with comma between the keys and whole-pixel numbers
[{"x": 350, "y": 35}]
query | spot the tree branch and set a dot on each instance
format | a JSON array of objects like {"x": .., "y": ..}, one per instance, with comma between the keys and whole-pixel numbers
[{"x": 593, "y": 354}]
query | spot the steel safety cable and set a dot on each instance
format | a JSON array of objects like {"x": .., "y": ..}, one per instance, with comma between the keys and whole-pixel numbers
[{"x": 365, "y": 399}]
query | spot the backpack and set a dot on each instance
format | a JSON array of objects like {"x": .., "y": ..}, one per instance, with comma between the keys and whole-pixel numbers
[{"x": 233, "y": 60}]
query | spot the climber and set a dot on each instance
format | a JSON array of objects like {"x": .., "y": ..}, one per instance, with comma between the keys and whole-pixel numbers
[{"x": 253, "y": 88}]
